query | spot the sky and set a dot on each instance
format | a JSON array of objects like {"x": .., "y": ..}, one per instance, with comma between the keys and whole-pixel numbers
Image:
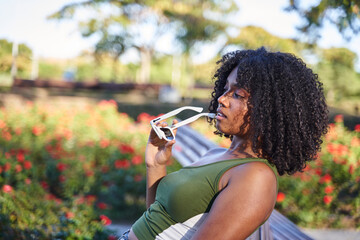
[{"x": 25, "y": 21}]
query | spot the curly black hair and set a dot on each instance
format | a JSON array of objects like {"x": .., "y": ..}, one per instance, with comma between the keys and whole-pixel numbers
[{"x": 287, "y": 114}]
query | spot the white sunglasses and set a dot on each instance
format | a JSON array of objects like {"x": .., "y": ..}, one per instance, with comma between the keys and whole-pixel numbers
[{"x": 167, "y": 132}]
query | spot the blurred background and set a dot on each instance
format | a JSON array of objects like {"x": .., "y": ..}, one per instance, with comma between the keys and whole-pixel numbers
[
  {"x": 67, "y": 66},
  {"x": 115, "y": 47}
]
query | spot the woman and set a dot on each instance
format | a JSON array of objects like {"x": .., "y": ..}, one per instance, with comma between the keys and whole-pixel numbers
[{"x": 273, "y": 108}]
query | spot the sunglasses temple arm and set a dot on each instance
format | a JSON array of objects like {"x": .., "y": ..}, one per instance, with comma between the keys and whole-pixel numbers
[
  {"x": 193, "y": 118},
  {"x": 176, "y": 111}
]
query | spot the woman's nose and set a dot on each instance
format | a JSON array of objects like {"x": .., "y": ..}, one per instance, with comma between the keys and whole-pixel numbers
[{"x": 223, "y": 99}]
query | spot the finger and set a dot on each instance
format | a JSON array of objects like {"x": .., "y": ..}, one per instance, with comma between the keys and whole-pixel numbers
[
  {"x": 168, "y": 147},
  {"x": 175, "y": 121}
]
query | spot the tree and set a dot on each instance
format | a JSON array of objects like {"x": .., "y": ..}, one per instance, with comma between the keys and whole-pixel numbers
[
  {"x": 142, "y": 24},
  {"x": 111, "y": 45},
  {"x": 254, "y": 37},
  {"x": 336, "y": 71},
  {"x": 343, "y": 14},
  {"x": 23, "y": 60}
]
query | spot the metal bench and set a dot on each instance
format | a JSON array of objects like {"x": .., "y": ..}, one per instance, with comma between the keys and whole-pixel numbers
[{"x": 191, "y": 145}]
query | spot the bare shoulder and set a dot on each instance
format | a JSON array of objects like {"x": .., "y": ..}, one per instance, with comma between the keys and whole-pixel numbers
[
  {"x": 257, "y": 169},
  {"x": 253, "y": 177},
  {"x": 254, "y": 173}
]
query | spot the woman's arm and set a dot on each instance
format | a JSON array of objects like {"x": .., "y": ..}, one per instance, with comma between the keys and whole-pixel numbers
[
  {"x": 245, "y": 202},
  {"x": 157, "y": 154}
]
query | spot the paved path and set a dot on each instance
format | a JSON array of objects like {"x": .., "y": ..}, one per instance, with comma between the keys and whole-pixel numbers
[
  {"x": 317, "y": 234},
  {"x": 332, "y": 234}
]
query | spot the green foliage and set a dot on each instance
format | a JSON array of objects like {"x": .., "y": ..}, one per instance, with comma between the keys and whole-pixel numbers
[
  {"x": 65, "y": 172},
  {"x": 252, "y": 37},
  {"x": 5, "y": 55},
  {"x": 340, "y": 56},
  {"x": 336, "y": 71},
  {"x": 49, "y": 70},
  {"x": 346, "y": 17}
]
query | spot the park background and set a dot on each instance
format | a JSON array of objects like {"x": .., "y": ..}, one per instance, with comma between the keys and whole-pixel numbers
[{"x": 74, "y": 120}]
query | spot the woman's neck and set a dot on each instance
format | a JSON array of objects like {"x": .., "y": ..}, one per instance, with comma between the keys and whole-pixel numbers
[{"x": 241, "y": 148}]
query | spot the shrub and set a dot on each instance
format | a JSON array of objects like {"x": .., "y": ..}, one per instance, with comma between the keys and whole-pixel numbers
[{"x": 64, "y": 173}]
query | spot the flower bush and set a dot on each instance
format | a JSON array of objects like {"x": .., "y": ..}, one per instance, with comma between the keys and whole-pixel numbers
[
  {"x": 67, "y": 173},
  {"x": 327, "y": 193}
]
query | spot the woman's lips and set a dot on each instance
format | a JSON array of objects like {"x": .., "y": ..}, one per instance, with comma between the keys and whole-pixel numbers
[{"x": 220, "y": 116}]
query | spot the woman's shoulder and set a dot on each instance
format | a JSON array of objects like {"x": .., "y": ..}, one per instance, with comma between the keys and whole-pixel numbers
[{"x": 254, "y": 172}]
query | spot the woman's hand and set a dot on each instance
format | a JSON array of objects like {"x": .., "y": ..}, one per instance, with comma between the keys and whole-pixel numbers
[{"x": 158, "y": 151}]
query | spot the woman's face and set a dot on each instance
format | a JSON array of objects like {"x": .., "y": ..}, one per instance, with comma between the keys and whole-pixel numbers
[{"x": 233, "y": 105}]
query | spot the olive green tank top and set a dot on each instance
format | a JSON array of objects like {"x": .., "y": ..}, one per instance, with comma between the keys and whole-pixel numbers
[{"x": 183, "y": 199}]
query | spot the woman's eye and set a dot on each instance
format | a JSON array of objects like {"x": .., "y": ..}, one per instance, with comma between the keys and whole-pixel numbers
[{"x": 237, "y": 95}]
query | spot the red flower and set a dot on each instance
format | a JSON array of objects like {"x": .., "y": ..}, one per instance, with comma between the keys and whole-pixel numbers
[
  {"x": 27, "y": 165},
  {"x": 28, "y": 181},
  {"x": 20, "y": 156},
  {"x": 36, "y": 130},
  {"x": 67, "y": 134},
  {"x": 112, "y": 237},
  {"x": 61, "y": 166},
  {"x": 126, "y": 149},
  {"x": 144, "y": 117},
  {"x": 357, "y": 128},
  {"x": 351, "y": 169},
  {"x": 18, "y": 168},
  {"x": 2, "y": 124},
  {"x": 280, "y": 197},
  {"x": 69, "y": 215},
  {"x": 318, "y": 171},
  {"x": 89, "y": 173},
  {"x": 7, "y": 189},
  {"x": 7, "y": 167},
  {"x": 326, "y": 178},
  {"x": 44, "y": 185},
  {"x": 136, "y": 160},
  {"x": 327, "y": 199},
  {"x": 339, "y": 118},
  {"x": 105, "y": 220},
  {"x": 6, "y": 135},
  {"x": 102, "y": 205},
  {"x": 122, "y": 164},
  {"x": 90, "y": 198},
  {"x": 329, "y": 189},
  {"x": 307, "y": 168},
  {"x": 104, "y": 143}
]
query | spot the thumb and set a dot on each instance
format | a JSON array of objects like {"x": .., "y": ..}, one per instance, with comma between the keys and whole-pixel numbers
[{"x": 168, "y": 146}]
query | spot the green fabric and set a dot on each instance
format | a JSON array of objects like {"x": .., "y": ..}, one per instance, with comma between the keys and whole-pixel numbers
[{"x": 184, "y": 194}]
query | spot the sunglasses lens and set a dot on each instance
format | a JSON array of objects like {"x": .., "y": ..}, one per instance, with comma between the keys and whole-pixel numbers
[{"x": 168, "y": 133}]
